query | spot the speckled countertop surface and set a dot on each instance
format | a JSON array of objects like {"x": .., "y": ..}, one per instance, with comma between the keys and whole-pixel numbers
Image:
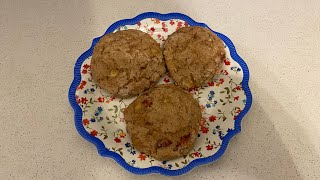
[{"x": 41, "y": 40}]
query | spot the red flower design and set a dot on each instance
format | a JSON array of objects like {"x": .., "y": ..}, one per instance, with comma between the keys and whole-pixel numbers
[
  {"x": 221, "y": 81},
  {"x": 186, "y": 24},
  {"x": 238, "y": 88},
  {"x": 179, "y": 25},
  {"x": 239, "y": 111},
  {"x": 80, "y": 87},
  {"x": 139, "y": 23},
  {"x": 196, "y": 154},
  {"x": 78, "y": 100},
  {"x": 101, "y": 99},
  {"x": 84, "y": 71},
  {"x": 166, "y": 80},
  {"x": 234, "y": 117},
  {"x": 204, "y": 130},
  {"x": 159, "y": 36},
  {"x": 224, "y": 72},
  {"x": 84, "y": 100},
  {"x": 86, "y": 66},
  {"x": 211, "y": 83},
  {"x": 165, "y": 29},
  {"x": 171, "y": 22},
  {"x": 236, "y": 98},
  {"x": 212, "y": 118},
  {"x": 157, "y": 21},
  {"x": 163, "y": 24},
  {"x": 117, "y": 140},
  {"x": 83, "y": 83},
  {"x": 209, "y": 147},
  {"x": 85, "y": 122},
  {"x": 226, "y": 62},
  {"x": 142, "y": 157},
  {"x": 152, "y": 29},
  {"x": 94, "y": 133}
]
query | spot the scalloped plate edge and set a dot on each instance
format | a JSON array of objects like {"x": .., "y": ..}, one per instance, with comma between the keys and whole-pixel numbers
[{"x": 155, "y": 169}]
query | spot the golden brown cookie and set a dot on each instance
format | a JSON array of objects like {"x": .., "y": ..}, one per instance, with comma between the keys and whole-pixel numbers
[
  {"x": 126, "y": 63},
  {"x": 193, "y": 56},
  {"x": 163, "y": 122}
]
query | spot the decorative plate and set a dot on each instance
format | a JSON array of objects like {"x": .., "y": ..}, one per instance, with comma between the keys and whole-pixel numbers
[{"x": 224, "y": 102}]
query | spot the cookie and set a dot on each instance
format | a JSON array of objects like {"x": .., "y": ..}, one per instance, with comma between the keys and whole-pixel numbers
[
  {"x": 193, "y": 56},
  {"x": 126, "y": 63},
  {"x": 163, "y": 122}
]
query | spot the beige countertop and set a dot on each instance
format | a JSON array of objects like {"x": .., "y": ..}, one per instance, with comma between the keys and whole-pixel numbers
[{"x": 41, "y": 40}]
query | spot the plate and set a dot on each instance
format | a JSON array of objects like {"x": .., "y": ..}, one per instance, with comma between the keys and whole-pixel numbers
[{"x": 224, "y": 102}]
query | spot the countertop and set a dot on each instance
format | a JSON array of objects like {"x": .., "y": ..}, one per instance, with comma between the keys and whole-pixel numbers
[{"x": 41, "y": 40}]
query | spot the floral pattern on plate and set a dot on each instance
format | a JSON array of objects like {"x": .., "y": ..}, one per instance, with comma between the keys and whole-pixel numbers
[{"x": 221, "y": 100}]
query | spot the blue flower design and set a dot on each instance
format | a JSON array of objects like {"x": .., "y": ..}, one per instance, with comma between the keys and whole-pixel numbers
[
  {"x": 133, "y": 161},
  {"x": 127, "y": 145},
  {"x": 208, "y": 105},
  {"x": 100, "y": 109},
  {"x": 221, "y": 135},
  {"x": 212, "y": 93},
  {"x": 96, "y": 114},
  {"x": 85, "y": 91},
  {"x": 235, "y": 68},
  {"x": 215, "y": 102},
  {"x": 92, "y": 89},
  {"x": 93, "y": 120},
  {"x": 169, "y": 166},
  {"x": 133, "y": 152},
  {"x": 210, "y": 98}
]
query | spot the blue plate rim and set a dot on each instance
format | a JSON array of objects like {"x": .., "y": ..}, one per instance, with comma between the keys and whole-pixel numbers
[{"x": 103, "y": 151}]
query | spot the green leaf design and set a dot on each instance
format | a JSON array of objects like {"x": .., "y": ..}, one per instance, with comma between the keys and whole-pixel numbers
[
  {"x": 222, "y": 92},
  {"x": 224, "y": 104},
  {"x": 221, "y": 100},
  {"x": 219, "y": 110},
  {"x": 115, "y": 108},
  {"x": 184, "y": 162},
  {"x": 227, "y": 89},
  {"x": 177, "y": 165},
  {"x": 224, "y": 118}
]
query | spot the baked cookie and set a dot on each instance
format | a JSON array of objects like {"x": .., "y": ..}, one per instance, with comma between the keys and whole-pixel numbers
[
  {"x": 193, "y": 56},
  {"x": 163, "y": 122},
  {"x": 126, "y": 63}
]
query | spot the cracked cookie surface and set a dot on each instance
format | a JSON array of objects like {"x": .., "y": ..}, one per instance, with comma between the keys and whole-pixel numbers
[
  {"x": 163, "y": 122},
  {"x": 126, "y": 63},
  {"x": 193, "y": 56}
]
